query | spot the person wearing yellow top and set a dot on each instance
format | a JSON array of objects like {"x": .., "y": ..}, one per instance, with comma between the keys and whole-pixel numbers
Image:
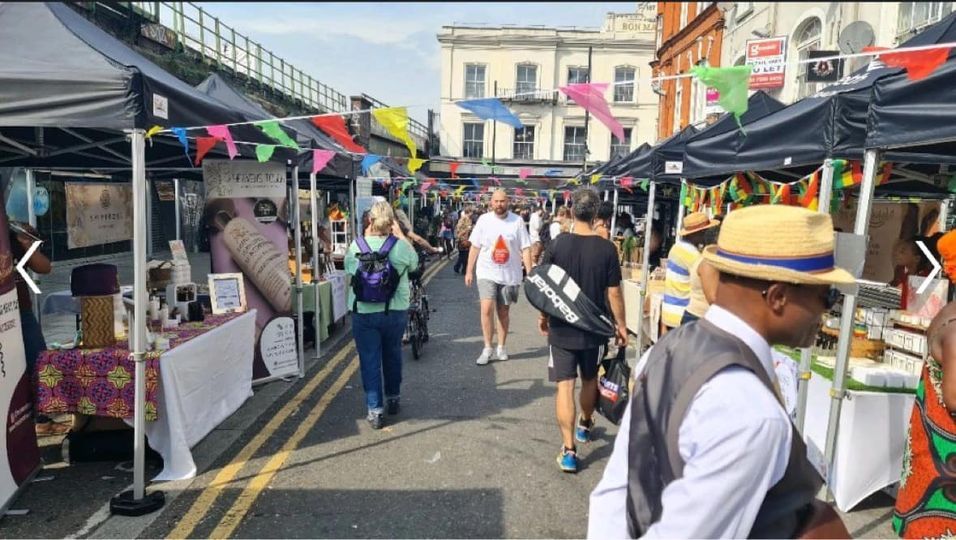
[{"x": 682, "y": 257}]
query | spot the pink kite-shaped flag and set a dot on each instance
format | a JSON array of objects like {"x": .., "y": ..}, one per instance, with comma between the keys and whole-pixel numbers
[
  {"x": 222, "y": 132},
  {"x": 590, "y": 96},
  {"x": 321, "y": 158}
]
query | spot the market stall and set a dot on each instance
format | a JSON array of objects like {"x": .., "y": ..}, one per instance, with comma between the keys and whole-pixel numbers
[{"x": 203, "y": 377}]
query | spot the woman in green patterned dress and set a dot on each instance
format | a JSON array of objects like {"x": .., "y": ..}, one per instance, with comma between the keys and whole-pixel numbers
[{"x": 926, "y": 503}]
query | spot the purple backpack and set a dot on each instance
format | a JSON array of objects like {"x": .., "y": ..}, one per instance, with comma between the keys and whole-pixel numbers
[{"x": 375, "y": 280}]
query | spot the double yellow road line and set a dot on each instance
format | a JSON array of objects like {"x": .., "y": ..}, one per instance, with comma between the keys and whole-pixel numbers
[{"x": 260, "y": 481}]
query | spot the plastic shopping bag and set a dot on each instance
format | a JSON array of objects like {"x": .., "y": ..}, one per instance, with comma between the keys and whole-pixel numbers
[{"x": 613, "y": 386}]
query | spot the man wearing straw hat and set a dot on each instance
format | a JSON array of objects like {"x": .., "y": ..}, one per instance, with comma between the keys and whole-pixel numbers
[
  {"x": 682, "y": 257},
  {"x": 706, "y": 449}
]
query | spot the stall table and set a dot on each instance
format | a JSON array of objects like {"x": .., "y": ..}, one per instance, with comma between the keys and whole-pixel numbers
[
  {"x": 190, "y": 389},
  {"x": 871, "y": 439}
]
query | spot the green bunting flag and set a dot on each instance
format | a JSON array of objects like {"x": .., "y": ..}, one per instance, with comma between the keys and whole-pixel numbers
[
  {"x": 644, "y": 184},
  {"x": 264, "y": 152},
  {"x": 275, "y": 132},
  {"x": 730, "y": 82}
]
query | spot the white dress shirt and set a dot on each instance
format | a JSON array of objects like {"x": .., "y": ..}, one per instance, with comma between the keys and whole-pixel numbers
[{"x": 735, "y": 443}]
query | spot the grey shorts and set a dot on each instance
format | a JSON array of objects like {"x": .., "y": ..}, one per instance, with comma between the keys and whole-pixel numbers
[{"x": 505, "y": 295}]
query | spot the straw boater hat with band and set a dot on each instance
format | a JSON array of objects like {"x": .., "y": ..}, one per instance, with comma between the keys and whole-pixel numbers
[
  {"x": 785, "y": 244},
  {"x": 697, "y": 222}
]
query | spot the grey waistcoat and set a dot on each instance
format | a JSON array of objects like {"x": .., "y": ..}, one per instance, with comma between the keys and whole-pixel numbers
[{"x": 678, "y": 366}]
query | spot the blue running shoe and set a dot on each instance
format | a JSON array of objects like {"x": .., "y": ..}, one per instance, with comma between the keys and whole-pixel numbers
[
  {"x": 582, "y": 433},
  {"x": 568, "y": 460}
]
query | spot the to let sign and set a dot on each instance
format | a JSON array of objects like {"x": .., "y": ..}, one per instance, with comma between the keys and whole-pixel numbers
[{"x": 768, "y": 57}]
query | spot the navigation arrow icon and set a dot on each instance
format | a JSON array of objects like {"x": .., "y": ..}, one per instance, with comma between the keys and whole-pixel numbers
[
  {"x": 24, "y": 273},
  {"x": 936, "y": 267}
]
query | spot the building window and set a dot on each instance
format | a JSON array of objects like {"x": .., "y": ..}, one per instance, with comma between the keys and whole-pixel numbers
[
  {"x": 683, "y": 16},
  {"x": 624, "y": 84},
  {"x": 527, "y": 78},
  {"x": 806, "y": 39},
  {"x": 619, "y": 147},
  {"x": 473, "y": 143},
  {"x": 524, "y": 143},
  {"x": 474, "y": 81},
  {"x": 915, "y": 16},
  {"x": 577, "y": 75},
  {"x": 574, "y": 143}
]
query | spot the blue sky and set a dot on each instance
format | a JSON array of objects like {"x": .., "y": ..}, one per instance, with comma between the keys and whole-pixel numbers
[{"x": 386, "y": 50}]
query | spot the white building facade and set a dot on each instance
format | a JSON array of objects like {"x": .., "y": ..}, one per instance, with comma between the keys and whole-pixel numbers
[
  {"x": 527, "y": 65},
  {"x": 810, "y": 26}
]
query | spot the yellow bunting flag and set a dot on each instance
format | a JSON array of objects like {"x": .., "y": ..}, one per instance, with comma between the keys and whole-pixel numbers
[
  {"x": 595, "y": 178},
  {"x": 395, "y": 121},
  {"x": 153, "y": 131},
  {"x": 415, "y": 163}
]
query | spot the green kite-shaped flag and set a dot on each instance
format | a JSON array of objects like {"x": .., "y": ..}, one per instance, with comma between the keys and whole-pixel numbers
[{"x": 730, "y": 82}]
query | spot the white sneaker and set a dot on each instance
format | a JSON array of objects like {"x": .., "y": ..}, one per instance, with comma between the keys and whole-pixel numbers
[
  {"x": 502, "y": 354},
  {"x": 485, "y": 356}
]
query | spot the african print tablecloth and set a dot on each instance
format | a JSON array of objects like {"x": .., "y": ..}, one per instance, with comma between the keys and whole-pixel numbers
[{"x": 99, "y": 382}]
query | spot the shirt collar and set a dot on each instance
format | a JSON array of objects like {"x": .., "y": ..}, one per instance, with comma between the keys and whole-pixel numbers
[{"x": 732, "y": 324}]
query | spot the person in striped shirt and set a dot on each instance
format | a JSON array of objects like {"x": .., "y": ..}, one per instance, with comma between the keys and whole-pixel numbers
[{"x": 682, "y": 257}]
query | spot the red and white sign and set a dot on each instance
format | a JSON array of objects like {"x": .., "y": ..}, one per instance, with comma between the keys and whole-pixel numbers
[
  {"x": 769, "y": 60},
  {"x": 710, "y": 103}
]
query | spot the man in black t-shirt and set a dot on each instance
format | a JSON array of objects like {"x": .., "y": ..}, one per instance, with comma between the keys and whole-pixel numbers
[{"x": 592, "y": 263}]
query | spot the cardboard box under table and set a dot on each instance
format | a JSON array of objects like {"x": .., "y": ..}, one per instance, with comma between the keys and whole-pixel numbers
[{"x": 190, "y": 389}]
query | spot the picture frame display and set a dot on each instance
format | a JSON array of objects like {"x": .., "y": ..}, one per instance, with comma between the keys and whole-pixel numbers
[{"x": 227, "y": 293}]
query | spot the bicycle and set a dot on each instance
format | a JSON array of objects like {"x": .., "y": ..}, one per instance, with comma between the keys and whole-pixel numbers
[{"x": 416, "y": 331}]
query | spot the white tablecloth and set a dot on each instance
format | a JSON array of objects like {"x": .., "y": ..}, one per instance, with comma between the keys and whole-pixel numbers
[
  {"x": 203, "y": 382},
  {"x": 870, "y": 442}
]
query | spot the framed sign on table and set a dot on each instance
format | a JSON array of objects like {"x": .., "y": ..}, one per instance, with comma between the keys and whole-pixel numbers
[{"x": 227, "y": 294}]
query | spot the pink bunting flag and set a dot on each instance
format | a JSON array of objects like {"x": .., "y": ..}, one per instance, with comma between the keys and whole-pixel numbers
[
  {"x": 590, "y": 96},
  {"x": 426, "y": 185},
  {"x": 567, "y": 196},
  {"x": 321, "y": 158},
  {"x": 519, "y": 192},
  {"x": 627, "y": 182},
  {"x": 524, "y": 172},
  {"x": 495, "y": 180},
  {"x": 222, "y": 132}
]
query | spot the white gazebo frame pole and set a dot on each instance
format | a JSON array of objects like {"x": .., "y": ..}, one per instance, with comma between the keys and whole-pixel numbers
[
  {"x": 613, "y": 213},
  {"x": 297, "y": 235},
  {"x": 176, "y": 200},
  {"x": 871, "y": 159},
  {"x": 645, "y": 268},
  {"x": 314, "y": 206},
  {"x": 806, "y": 355}
]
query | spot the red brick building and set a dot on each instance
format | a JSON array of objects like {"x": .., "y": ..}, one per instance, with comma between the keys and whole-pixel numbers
[{"x": 688, "y": 32}]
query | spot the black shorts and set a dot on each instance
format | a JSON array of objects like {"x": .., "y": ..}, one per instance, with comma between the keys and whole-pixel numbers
[{"x": 564, "y": 364}]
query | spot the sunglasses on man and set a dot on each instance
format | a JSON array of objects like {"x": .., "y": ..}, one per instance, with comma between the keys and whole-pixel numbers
[{"x": 830, "y": 299}]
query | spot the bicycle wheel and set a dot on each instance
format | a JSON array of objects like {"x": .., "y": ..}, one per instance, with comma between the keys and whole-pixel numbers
[{"x": 416, "y": 345}]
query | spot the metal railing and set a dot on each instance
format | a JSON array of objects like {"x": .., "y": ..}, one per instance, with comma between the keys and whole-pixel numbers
[
  {"x": 523, "y": 95},
  {"x": 195, "y": 29}
]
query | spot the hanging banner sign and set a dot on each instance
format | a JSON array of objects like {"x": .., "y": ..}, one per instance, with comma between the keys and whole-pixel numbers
[
  {"x": 824, "y": 71},
  {"x": 768, "y": 57},
  {"x": 363, "y": 186},
  {"x": 98, "y": 213},
  {"x": 246, "y": 207},
  {"x": 18, "y": 441}
]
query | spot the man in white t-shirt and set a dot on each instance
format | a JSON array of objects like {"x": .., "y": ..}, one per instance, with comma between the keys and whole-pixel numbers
[{"x": 500, "y": 244}]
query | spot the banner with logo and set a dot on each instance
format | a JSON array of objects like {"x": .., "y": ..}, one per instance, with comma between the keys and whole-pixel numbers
[
  {"x": 18, "y": 437},
  {"x": 768, "y": 57},
  {"x": 246, "y": 213},
  {"x": 828, "y": 71},
  {"x": 98, "y": 213}
]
